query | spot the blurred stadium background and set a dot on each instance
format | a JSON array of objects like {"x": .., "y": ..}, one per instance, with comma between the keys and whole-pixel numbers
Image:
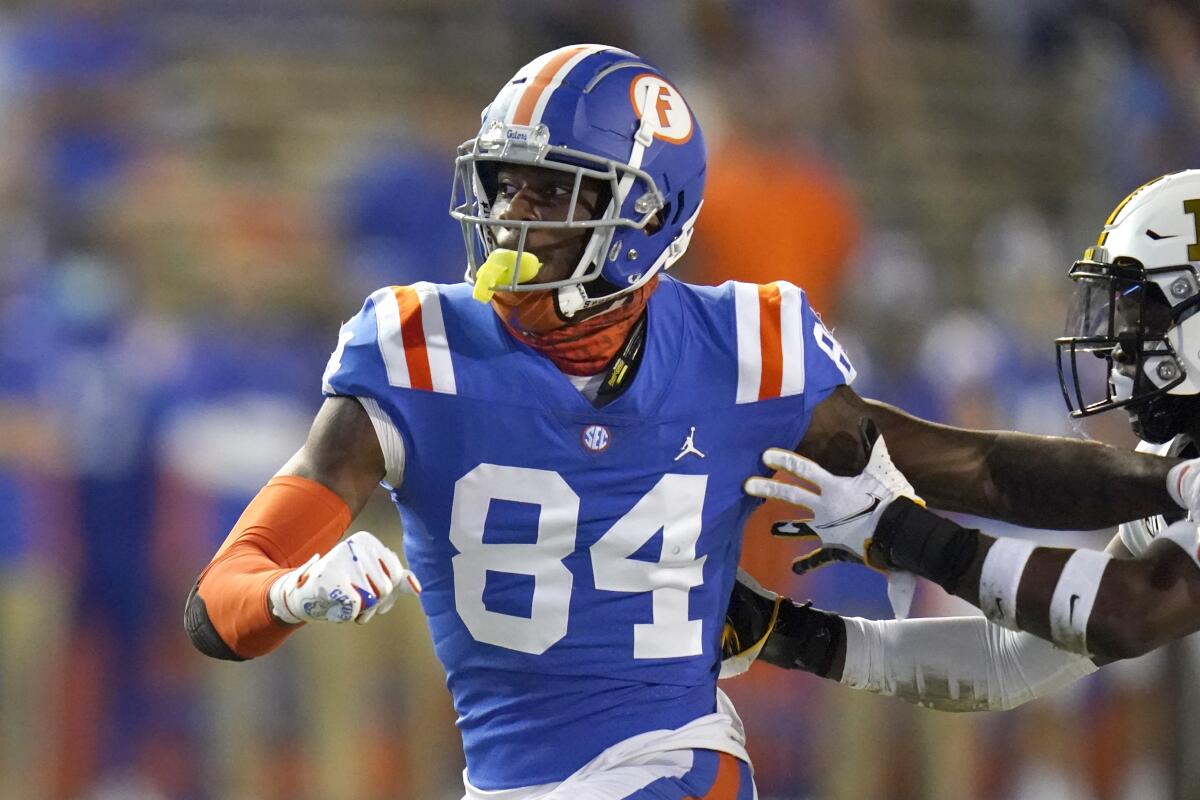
[{"x": 194, "y": 193}]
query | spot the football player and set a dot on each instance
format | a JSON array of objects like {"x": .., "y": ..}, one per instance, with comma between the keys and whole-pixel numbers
[
  {"x": 565, "y": 435},
  {"x": 1137, "y": 294}
]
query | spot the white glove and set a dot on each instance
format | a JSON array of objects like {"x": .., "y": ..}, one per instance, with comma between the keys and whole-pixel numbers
[
  {"x": 357, "y": 579},
  {"x": 1183, "y": 484},
  {"x": 841, "y": 511}
]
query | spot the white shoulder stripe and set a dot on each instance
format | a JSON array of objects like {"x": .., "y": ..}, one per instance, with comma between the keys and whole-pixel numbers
[
  {"x": 412, "y": 338},
  {"x": 335, "y": 359},
  {"x": 791, "y": 325},
  {"x": 770, "y": 340},
  {"x": 749, "y": 344},
  {"x": 391, "y": 344},
  {"x": 441, "y": 366}
]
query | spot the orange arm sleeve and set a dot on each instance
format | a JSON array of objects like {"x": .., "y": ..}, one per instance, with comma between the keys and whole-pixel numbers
[{"x": 285, "y": 524}]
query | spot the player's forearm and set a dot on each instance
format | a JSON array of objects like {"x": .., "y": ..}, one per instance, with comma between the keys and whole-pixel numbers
[
  {"x": 950, "y": 664},
  {"x": 806, "y": 638},
  {"x": 1054, "y": 482},
  {"x": 291, "y": 519},
  {"x": 1039, "y": 481},
  {"x": 955, "y": 663},
  {"x": 227, "y": 615},
  {"x": 1110, "y": 608},
  {"x": 1083, "y": 601}
]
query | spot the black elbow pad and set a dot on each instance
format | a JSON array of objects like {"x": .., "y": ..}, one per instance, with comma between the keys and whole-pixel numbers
[{"x": 200, "y": 629}]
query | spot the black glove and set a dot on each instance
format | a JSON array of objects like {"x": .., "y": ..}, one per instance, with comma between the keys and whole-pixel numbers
[{"x": 761, "y": 625}]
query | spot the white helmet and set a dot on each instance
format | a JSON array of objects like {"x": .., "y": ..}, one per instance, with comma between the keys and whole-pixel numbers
[{"x": 1136, "y": 297}]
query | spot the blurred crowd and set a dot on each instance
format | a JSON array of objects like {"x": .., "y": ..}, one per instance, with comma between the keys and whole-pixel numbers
[{"x": 194, "y": 194}]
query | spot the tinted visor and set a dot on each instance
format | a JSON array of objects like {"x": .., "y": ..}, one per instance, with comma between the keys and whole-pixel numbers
[{"x": 1092, "y": 313}]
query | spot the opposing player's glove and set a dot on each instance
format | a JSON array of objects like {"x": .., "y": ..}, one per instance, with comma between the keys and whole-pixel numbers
[
  {"x": 357, "y": 579},
  {"x": 840, "y": 511},
  {"x": 749, "y": 620},
  {"x": 815, "y": 559},
  {"x": 763, "y": 626}
]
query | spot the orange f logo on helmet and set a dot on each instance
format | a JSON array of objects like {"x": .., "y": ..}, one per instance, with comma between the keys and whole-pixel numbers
[
  {"x": 662, "y": 106},
  {"x": 671, "y": 120}
]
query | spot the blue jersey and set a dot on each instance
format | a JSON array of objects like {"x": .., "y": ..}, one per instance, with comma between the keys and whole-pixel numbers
[{"x": 577, "y": 561}]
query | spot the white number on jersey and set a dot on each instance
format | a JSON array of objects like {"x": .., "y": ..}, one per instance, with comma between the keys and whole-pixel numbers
[
  {"x": 473, "y": 495},
  {"x": 674, "y": 505},
  {"x": 834, "y": 350}
]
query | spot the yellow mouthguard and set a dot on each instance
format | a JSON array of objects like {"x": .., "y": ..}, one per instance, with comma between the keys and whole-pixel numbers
[{"x": 498, "y": 270}]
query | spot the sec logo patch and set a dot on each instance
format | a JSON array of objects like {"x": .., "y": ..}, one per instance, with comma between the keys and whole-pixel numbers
[
  {"x": 595, "y": 438},
  {"x": 668, "y": 116}
]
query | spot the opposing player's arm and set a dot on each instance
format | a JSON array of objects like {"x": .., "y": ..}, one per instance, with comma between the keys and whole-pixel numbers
[
  {"x": 1084, "y": 601},
  {"x": 1103, "y": 604},
  {"x": 1040, "y": 481},
  {"x": 761, "y": 625},
  {"x": 302, "y": 512},
  {"x": 948, "y": 664},
  {"x": 958, "y": 664}
]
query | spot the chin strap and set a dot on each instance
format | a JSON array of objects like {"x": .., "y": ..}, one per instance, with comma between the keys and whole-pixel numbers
[{"x": 572, "y": 299}]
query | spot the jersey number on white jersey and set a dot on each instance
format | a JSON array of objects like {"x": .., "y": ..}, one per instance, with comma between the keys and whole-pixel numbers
[{"x": 674, "y": 505}]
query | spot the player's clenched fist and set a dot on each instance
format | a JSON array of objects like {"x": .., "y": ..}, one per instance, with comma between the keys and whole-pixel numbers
[{"x": 357, "y": 579}]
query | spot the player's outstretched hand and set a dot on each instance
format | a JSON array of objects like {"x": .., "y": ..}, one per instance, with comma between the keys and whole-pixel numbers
[
  {"x": 840, "y": 511},
  {"x": 357, "y": 579}
]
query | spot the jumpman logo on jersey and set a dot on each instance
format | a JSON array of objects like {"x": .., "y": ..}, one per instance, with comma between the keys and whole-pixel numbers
[{"x": 689, "y": 445}]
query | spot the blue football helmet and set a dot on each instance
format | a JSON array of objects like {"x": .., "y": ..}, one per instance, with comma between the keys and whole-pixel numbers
[{"x": 594, "y": 112}]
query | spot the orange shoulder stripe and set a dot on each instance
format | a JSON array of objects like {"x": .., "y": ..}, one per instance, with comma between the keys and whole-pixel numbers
[
  {"x": 412, "y": 334},
  {"x": 771, "y": 338}
]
